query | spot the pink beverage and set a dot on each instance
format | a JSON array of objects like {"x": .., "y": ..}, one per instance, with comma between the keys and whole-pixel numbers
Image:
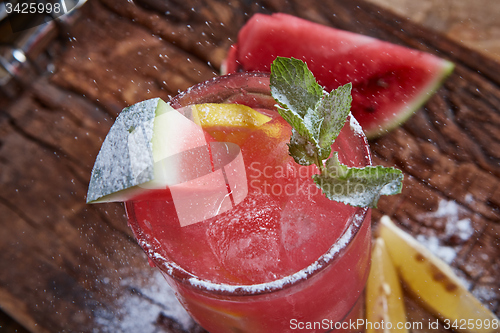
[{"x": 284, "y": 259}]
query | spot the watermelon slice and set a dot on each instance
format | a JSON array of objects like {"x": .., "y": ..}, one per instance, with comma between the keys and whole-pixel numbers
[
  {"x": 156, "y": 152},
  {"x": 134, "y": 156},
  {"x": 389, "y": 81}
]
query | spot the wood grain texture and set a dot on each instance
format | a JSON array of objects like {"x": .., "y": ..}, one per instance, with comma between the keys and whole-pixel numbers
[{"x": 69, "y": 267}]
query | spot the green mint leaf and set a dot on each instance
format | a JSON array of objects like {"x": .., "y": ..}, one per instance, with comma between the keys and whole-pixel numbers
[
  {"x": 334, "y": 109},
  {"x": 360, "y": 187},
  {"x": 317, "y": 118},
  {"x": 305, "y": 152},
  {"x": 295, "y": 89},
  {"x": 302, "y": 151}
]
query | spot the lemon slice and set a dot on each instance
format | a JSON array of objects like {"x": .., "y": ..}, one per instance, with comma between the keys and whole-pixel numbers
[
  {"x": 385, "y": 310},
  {"x": 228, "y": 122},
  {"x": 227, "y": 115},
  {"x": 434, "y": 283}
]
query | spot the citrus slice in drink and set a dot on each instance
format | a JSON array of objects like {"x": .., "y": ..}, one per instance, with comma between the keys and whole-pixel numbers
[
  {"x": 228, "y": 122},
  {"x": 229, "y": 115}
]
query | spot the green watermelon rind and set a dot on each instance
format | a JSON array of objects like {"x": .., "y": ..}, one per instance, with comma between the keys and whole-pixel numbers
[
  {"x": 120, "y": 168},
  {"x": 401, "y": 116}
]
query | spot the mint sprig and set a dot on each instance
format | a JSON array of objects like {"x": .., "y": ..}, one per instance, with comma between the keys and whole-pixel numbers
[
  {"x": 316, "y": 118},
  {"x": 357, "y": 186},
  {"x": 315, "y": 115}
]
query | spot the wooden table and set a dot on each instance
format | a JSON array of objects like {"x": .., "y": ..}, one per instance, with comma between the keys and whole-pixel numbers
[{"x": 67, "y": 266}]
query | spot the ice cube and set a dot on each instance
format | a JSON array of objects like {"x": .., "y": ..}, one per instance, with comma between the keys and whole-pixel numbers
[{"x": 246, "y": 240}]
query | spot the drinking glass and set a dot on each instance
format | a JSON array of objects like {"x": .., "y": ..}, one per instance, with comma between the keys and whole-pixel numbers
[{"x": 326, "y": 294}]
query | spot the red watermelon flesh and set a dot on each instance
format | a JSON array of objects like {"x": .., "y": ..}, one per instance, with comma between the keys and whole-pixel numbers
[{"x": 389, "y": 81}]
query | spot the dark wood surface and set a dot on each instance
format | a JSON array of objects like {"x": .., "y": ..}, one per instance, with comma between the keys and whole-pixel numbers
[{"x": 67, "y": 266}]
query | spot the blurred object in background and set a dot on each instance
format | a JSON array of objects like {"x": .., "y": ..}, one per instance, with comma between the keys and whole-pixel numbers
[
  {"x": 475, "y": 24},
  {"x": 24, "y": 36}
]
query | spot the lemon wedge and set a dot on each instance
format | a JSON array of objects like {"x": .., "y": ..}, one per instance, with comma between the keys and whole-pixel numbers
[
  {"x": 432, "y": 281},
  {"x": 385, "y": 310},
  {"x": 228, "y": 122},
  {"x": 227, "y": 115}
]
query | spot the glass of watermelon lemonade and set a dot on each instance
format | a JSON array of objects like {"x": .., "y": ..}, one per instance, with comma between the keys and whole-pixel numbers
[{"x": 285, "y": 258}]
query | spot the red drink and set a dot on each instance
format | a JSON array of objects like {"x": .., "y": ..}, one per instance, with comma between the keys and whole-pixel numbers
[{"x": 283, "y": 259}]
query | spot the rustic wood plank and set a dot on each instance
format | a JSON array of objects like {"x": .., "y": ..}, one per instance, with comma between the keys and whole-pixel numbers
[{"x": 66, "y": 266}]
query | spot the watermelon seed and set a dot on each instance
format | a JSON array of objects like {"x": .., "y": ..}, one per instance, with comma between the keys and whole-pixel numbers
[
  {"x": 382, "y": 83},
  {"x": 370, "y": 109}
]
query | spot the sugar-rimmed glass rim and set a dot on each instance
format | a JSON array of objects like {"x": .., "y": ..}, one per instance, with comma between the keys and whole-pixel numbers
[{"x": 223, "y": 87}]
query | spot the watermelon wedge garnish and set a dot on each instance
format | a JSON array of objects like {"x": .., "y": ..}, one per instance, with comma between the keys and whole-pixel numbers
[
  {"x": 131, "y": 159},
  {"x": 390, "y": 82},
  {"x": 155, "y": 150}
]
